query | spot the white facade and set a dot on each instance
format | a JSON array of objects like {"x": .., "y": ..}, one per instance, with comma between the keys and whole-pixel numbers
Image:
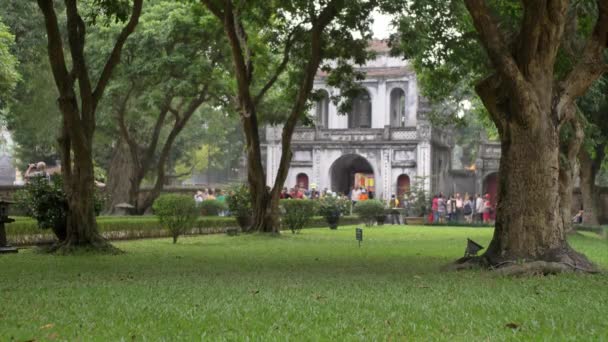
[{"x": 395, "y": 141}]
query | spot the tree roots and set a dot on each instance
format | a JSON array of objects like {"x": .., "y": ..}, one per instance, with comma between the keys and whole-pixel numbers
[
  {"x": 67, "y": 247},
  {"x": 564, "y": 261}
]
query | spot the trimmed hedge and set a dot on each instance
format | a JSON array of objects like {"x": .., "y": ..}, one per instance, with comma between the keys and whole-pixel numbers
[
  {"x": 594, "y": 229},
  {"x": 25, "y": 231}
]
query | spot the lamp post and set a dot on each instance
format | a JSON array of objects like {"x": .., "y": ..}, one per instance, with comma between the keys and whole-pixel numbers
[{"x": 4, "y": 247}]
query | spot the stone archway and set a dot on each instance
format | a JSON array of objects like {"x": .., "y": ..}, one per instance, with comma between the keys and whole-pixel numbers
[{"x": 349, "y": 169}]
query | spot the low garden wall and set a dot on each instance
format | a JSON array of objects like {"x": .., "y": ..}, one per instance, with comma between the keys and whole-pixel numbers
[{"x": 25, "y": 231}]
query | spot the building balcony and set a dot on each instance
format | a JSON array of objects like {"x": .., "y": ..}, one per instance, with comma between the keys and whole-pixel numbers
[{"x": 349, "y": 135}]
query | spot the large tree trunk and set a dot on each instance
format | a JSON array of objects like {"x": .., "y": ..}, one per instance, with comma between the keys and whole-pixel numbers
[
  {"x": 81, "y": 225},
  {"x": 567, "y": 169},
  {"x": 529, "y": 106},
  {"x": 79, "y": 186},
  {"x": 590, "y": 196},
  {"x": 121, "y": 187},
  {"x": 528, "y": 222}
]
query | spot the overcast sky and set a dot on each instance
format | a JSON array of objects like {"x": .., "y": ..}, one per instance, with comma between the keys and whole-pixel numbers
[{"x": 381, "y": 27}]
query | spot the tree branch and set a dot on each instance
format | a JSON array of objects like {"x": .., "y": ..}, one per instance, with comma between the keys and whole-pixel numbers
[
  {"x": 123, "y": 129},
  {"x": 488, "y": 90},
  {"x": 76, "y": 37},
  {"x": 216, "y": 10},
  {"x": 55, "y": 47},
  {"x": 502, "y": 60},
  {"x": 316, "y": 55},
  {"x": 590, "y": 66},
  {"x": 114, "y": 57},
  {"x": 280, "y": 69}
]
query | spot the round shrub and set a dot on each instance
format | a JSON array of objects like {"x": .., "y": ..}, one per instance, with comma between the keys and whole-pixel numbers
[
  {"x": 212, "y": 207},
  {"x": 175, "y": 213},
  {"x": 297, "y": 213},
  {"x": 369, "y": 211},
  {"x": 239, "y": 201}
]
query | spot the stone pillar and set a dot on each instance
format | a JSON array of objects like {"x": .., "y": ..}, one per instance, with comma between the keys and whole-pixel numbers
[
  {"x": 424, "y": 155},
  {"x": 316, "y": 169},
  {"x": 386, "y": 174}
]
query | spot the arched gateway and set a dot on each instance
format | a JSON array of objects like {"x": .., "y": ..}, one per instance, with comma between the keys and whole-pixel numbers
[{"x": 350, "y": 170}]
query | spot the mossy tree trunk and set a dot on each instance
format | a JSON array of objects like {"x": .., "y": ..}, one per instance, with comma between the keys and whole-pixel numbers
[{"x": 529, "y": 107}]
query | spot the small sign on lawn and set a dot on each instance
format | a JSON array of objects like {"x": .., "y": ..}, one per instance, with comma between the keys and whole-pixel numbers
[{"x": 359, "y": 235}]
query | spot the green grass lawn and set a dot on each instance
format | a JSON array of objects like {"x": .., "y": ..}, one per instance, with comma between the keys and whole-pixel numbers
[{"x": 318, "y": 285}]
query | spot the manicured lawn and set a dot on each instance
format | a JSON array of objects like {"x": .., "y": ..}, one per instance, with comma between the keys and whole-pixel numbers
[{"x": 318, "y": 285}]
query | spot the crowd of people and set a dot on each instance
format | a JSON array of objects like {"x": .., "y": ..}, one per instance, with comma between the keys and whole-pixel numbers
[
  {"x": 209, "y": 194},
  {"x": 455, "y": 208},
  {"x": 300, "y": 192},
  {"x": 444, "y": 209}
]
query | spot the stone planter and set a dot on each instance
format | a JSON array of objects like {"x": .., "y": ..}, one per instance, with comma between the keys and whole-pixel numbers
[{"x": 333, "y": 221}]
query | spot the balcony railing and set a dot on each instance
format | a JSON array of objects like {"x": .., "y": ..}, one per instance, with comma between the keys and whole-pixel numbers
[{"x": 355, "y": 134}]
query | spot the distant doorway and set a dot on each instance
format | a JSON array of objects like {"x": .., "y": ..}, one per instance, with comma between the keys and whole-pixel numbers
[
  {"x": 490, "y": 186},
  {"x": 403, "y": 185},
  {"x": 352, "y": 170},
  {"x": 302, "y": 181}
]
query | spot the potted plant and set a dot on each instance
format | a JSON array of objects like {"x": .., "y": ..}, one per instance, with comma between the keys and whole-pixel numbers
[
  {"x": 332, "y": 208},
  {"x": 239, "y": 205}
]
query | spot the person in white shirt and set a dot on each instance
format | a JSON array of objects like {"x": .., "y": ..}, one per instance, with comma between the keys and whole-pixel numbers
[
  {"x": 354, "y": 195},
  {"x": 478, "y": 208}
]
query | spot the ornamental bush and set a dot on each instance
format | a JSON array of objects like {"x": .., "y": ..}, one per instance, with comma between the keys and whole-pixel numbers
[
  {"x": 369, "y": 211},
  {"x": 175, "y": 213},
  {"x": 239, "y": 201},
  {"x": 212, "y": 207},
  {"x": 297, "y": 213}
]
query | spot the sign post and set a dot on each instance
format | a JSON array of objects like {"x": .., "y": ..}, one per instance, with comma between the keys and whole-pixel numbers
[{"x": 359, "y": 235}]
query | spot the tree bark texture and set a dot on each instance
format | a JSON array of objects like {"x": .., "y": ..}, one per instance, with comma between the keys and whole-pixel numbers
[
  {"x": 529, "y": 107},
  {"x": 567, "y": 169},
  {"x": 589, "y": 168},
  {"x": 78, "y": 110},
  {"x": 121, "y": 176}
]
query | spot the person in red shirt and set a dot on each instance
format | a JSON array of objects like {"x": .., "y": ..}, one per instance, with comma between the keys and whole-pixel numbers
[
  {"x": 435, "y": 208},
  {"x": 487, "y": 209}
]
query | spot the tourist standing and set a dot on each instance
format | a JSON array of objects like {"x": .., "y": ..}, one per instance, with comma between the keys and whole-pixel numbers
[
  {"x": 363, "y": 195},
  {"x": 284, "y": 194},
  {"x": 198, "y": 197},
  {"x": 435, "y": 209},
  {"x": 459, "y": 205},
  {"x": 450, "y": 207},
  {"x": 467, "y": 209},
  {"x": 487, "y": 209},
  {"x": 394, "y": 205},
  {"x": 478, "y": 208},
  {"x": 354, "y": 195},
  {"x": 441, "y": 208}
]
